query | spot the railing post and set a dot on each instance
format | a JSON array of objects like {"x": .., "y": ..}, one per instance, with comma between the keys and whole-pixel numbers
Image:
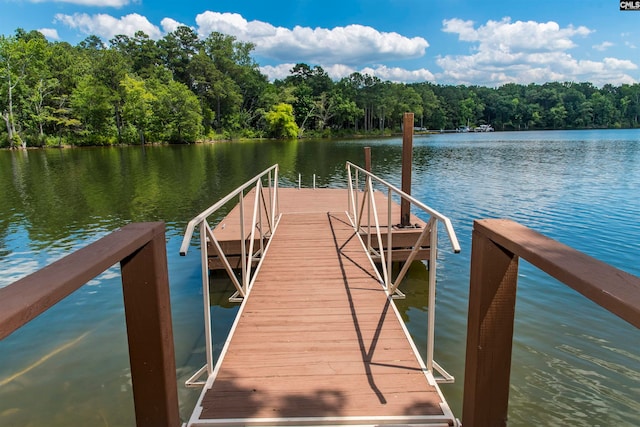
[
  {"x": 370, "y": 200},
  {"x": 270, "y": 207},
  {"x": 204, "y": 261},
  {"x": 145, "y": 283},
  {"x": 350, "y": 195},
  {"x": 355, "y": 206},
  {"x": 431, "y": 305},
  {"x": 252, "y": 235},
  {"x": 276, "y": 204},
  {"x": 492, "y": 297},
  {"x": 389, "y": 242},
  {"x": 243, "y": 246}
]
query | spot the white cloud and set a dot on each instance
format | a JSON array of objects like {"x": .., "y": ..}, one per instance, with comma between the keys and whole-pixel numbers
[
  {"x": 50, "y": 33},
  {"x": 620, "y": 64},
  {"x": 106, "y": 26},
  {"x": 338, "y": 50},
  {"x": 525, "y": 52},
  {"x": 277, "y": 72},
  {"x": 170, "y": 25},
  {"x": 351, "y": 45},
  {"x": 338, "y": 71},
  {"x": 602, "y": 46},
  {"x": 100, "y": 3},
  {"x": 501, "y": 51},
  {"x": 507, "y": 36},
  {"x": 399, "y": 75}
]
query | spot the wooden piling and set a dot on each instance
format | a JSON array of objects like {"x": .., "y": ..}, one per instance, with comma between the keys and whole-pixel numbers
[
  {"x": 367, "y": 159},
  {"x": 407, "y": 159}
]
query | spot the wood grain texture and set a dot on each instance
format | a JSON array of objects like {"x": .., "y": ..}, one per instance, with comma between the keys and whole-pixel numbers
[{"x": 318, "y": 336}]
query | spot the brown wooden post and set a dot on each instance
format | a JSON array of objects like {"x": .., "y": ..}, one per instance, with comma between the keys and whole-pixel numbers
[
  {"x": 407, "y": 159},
  {"x": 145, "y": 284},
  {"x": 367, "y": 159},
  {"x": 492, "y": 297}
]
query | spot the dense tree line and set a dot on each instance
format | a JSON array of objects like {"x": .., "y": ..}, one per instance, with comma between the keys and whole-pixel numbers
[{"x": 183, "y": 88}]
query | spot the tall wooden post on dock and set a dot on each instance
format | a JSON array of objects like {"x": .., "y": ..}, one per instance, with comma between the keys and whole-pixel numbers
[
  {"x": 407, "y": 159},
  {"x": 367, "y": 159}
]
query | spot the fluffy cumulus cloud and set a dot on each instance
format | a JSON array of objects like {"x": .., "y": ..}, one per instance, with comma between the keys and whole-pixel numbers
[
  {"x": 338, "y": 50},
  {"x": 525, "y": 52},
  {"x": 169, "y": 25},
  {"x": 50, "y": 33},
  {"x": 278, "y": 72},
  {"x": 338, "y": 71},
  {"x": 350, "y": 45},
  {"x": 602, "y": 46},
  {"x": 399, "y": 75},
  {"x": 106, "y": 26},
  {"x": 507, "y": 36},
  {"x": 282, "y": 71}
]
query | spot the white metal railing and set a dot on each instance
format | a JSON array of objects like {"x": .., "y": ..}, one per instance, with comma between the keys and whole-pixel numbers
[
  {"x": 265, "y": 204},
  {"x": 300, "y": 181},
  {"x": 356, "y": 212}
]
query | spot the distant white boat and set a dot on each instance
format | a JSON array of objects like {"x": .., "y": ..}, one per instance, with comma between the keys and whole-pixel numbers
[
  {"x": 463, "y": 129},
  {"x": 484, "y": 128}
]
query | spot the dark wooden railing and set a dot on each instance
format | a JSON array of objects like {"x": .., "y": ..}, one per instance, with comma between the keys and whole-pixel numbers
[
  {"x": 496, "y": 247},
  {"x": 140, "y": 249}
]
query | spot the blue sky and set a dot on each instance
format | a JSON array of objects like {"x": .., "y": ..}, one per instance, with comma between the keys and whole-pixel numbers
[{"x": 468, "y": 42}]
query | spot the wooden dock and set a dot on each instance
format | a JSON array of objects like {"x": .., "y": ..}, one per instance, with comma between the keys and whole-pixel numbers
[
  {"x": 299, "y": 201},
  {"x": 317, "y": 340}
]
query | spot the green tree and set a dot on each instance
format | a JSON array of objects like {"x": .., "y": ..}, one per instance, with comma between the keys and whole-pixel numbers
[
  {"x": 309, "y": 86},
  {"x": 137, "y": 106},
  {"x": 407, "y": 100},
  {"x": 630, "y": 103},
  {"x": 61, "y": 117},
  {"x": 177, "y": 113},
  {"x": 91, "y": 104},
  {"x": 281, "y": 123},
  {"x": 471, "y": 109},
  {"x": 603, "y": 110},
  {"x": 345, "y": 111},
  {"x": 558, "y": 115},
  {"x": 177, "y": 49},
  {"x": 217, "y": 91},
  {"x": 432, "y": 115},
  {"x": 19, "y": 56},
  {"x": 109, "y": 68},
  {"x": 142, "y": 53}
]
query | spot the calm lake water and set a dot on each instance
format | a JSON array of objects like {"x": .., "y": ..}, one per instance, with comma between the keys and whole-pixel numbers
[{"x": 573, "y": 363}]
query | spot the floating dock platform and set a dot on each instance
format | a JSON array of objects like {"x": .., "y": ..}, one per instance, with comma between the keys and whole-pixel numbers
[{"x": 318, "y": 339}]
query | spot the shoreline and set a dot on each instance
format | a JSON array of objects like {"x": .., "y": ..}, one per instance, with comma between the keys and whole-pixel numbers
[{"x": 328, "y": 138}]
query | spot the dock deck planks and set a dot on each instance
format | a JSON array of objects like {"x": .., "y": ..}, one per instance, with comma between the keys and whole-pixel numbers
[
  {"x": 318, "y": 341},
  {"x": 306, "y": 200}
]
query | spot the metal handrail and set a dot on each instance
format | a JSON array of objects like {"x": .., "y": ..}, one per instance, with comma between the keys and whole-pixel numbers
[
  {"x": 209, "y": 211},
  {"x": 432, "y": 212},
  {"x": 356, "y": 212},
  {"x": 246, "y": 258}
]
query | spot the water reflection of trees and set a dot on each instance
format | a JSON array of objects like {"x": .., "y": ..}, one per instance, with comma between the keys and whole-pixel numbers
[{"x": 56, "y": 193}]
